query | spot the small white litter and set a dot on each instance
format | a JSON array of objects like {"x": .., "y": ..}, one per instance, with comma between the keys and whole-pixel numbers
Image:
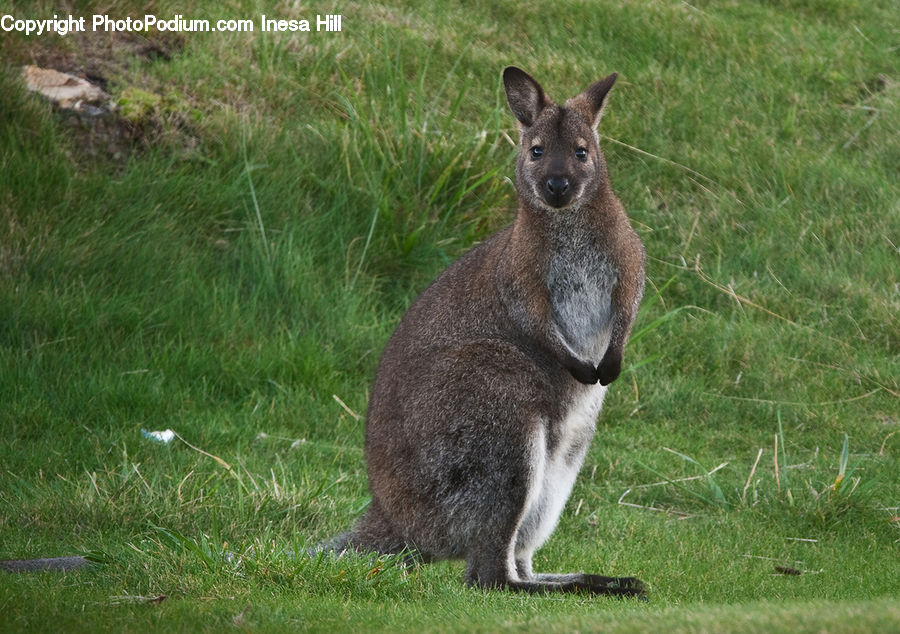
[{"x": 163, "y": 437}]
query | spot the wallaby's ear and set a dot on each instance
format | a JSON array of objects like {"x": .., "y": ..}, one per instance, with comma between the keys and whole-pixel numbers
[
  {"x": 525, "y": 96},
  {"x": 596, "y": 95}
]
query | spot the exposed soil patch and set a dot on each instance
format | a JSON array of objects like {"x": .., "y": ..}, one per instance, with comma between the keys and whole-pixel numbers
[
  {"x": 101, "y": 122},
  {"x": 97, "y": 56}
]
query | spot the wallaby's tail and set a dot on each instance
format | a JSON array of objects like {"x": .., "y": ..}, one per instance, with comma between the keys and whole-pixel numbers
[
  {"x": 337, "y": 544},
  {"x": 371, "y": 533}
]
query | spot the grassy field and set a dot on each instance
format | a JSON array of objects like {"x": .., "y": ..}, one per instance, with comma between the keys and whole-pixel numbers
[{"x": 227, "y": 256}]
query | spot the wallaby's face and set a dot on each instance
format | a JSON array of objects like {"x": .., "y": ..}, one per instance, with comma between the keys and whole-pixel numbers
[{"x": 560, "y": 164}]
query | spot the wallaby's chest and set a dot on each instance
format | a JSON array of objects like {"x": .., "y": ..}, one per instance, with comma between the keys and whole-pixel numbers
[{"x": 580, "y": 283}]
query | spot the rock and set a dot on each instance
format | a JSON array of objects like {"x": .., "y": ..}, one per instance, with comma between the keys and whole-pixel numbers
[{"x": 66, "y": 91}]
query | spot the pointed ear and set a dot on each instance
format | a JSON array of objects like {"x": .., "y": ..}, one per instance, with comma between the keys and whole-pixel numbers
[
  {"x": 525, "y": 96},
  {"x": 596, "y": 95}
]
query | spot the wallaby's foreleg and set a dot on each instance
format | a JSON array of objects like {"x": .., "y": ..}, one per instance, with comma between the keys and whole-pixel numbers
[
  {"x": 610, "y": 366},
  {"x": 626, "y": 297},
  {"x": 583, "y": 371}
]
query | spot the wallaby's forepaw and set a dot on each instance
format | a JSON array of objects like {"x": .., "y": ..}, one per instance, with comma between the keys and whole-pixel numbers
[
  {"x": 610, "y": 367},
  {"x": 582, "y": 371}
]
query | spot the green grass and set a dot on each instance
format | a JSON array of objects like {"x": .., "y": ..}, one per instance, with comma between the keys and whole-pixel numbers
[{"x": 234, "y": 275}]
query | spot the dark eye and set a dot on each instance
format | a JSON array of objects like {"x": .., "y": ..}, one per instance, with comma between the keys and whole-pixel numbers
[
  {"x": 581, "y": 154},
  {"x": 536, "y": 152}
]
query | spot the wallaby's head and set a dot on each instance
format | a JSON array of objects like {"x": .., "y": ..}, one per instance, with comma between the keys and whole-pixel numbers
[{"x": 560, "y": 164}]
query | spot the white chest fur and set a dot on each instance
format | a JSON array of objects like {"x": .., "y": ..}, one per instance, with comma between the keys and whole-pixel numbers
[{"x": 554, "y": 468}]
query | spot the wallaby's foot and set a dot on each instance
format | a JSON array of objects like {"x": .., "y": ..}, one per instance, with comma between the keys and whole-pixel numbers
[
  {"x": 617, "y": 586},
  {"x": 589, "y": 584},
  {"x": 574, "y": 583},
  {"x": 491, "y": 573}
]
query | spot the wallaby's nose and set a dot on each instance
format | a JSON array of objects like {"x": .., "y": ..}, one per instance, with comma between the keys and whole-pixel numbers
[{"x": 557, "y": 187}]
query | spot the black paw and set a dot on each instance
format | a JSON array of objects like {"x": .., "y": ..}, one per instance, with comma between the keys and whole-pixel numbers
[
  {"x": 610, "y": 367},
  {"x": 582, "y": 371}
]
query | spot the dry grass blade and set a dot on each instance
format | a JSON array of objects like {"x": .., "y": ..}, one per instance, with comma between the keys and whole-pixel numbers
[
  {"x": 679, "y": 514},
  {"x": 663, "y": 159},
  {"x": 346, "y": 407},
  {"x": 205, "y": 453},
  {"x": 687, "y": 479},
  {"x": 764, "y": 401},
  {"x": 750, "y": 477}
]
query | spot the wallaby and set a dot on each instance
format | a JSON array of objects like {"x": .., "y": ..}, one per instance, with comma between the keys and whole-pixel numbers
[{"x": 486, "y": 396}]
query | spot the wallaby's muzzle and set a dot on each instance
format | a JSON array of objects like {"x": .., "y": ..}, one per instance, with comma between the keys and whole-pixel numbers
[{"x": 557, "y": 192}]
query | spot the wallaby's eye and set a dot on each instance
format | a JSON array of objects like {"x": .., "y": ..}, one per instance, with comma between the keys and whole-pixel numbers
[
  {"x": 581, "y": 153},
  {"x": 536, "y": 152}
]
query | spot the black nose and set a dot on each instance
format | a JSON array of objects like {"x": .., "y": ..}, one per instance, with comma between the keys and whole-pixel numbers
[
  {"x": 557, "y": 186},
  {"x": 556, "y": 190}
]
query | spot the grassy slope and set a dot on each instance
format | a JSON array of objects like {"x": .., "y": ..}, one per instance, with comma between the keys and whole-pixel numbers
[{"x": 167, "y": 291}]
